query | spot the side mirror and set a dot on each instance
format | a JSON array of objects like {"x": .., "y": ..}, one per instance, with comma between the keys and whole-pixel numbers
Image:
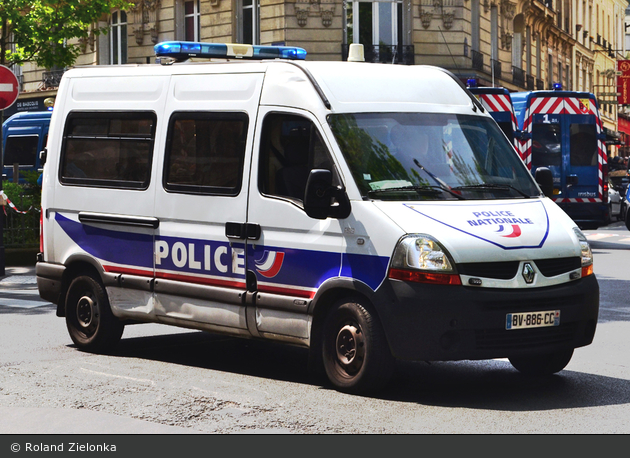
[
  {"x": 322, "y": 199},
  {"x": 42, "y": 156},
  {"x": 544, "y": 178}
]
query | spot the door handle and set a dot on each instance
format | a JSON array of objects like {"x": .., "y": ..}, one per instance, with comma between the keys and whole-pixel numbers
[
  {"x": 572, "y": 180},
  {"x": 249, "y": 231}
]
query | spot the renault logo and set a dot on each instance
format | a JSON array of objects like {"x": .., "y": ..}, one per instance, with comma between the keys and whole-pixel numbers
[{"x": 528, "y": 273}]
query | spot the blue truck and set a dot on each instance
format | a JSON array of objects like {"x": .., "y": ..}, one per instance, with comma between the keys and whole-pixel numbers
[{"x": 24, "y": 135}]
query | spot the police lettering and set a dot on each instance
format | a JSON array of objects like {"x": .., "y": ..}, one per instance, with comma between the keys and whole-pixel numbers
[{"x": 189, "y": 256}]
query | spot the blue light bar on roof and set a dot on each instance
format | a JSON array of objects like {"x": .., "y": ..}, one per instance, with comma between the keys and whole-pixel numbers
[{"x": 183, "y": 50}]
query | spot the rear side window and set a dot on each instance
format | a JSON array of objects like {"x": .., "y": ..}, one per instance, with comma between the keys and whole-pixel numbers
[
  {"x": 21, "y": 149},
  {"x": 583, "y": 144},
  {"x": 205, "y": 153},
  {"x": 111, "y": 149},
  {"x": 546, "y": 145}
]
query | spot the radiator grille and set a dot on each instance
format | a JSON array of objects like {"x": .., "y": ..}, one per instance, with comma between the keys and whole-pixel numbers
[
  {"x": 508, "y": 270},
  {"x": 556, "y": 266},
  {"x": 500, "y": 270}
]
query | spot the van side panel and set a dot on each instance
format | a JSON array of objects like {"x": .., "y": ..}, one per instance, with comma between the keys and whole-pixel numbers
[
  {"x": 108, "y": 224},
  {"x": 200, "y": 272}
]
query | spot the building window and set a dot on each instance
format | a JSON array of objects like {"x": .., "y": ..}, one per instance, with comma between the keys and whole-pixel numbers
[
  {"x": 475, "y": 24},
  {"x": 192, "y": 20},
  {"x": 249, "y": 22},
  {"x": 118, "y": 38}
]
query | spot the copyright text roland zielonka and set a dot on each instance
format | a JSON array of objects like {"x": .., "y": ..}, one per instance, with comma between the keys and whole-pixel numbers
[{"x": 69, "y": 447}]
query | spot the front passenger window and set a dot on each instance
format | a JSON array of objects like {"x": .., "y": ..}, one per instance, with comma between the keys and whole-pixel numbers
[{"x": 291, "y": 147}]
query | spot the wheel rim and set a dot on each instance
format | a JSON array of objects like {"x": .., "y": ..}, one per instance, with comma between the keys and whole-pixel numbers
[
  {"x": 87, "y": 313},
  {"x": 350, "y": 348}
]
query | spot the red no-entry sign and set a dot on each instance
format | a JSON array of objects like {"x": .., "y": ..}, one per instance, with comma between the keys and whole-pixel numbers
[{"x": 9, "y": 89}]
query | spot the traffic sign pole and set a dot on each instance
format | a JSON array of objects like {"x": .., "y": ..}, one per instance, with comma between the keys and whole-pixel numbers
[
  {"x": 9, "y": 91},
  {"x": 2, "y": 260}
]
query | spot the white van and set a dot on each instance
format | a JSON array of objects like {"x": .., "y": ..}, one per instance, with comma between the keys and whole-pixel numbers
[{"x": 368, "y": 212}]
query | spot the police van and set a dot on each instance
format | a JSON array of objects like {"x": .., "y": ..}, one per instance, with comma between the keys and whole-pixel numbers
[
  {"x": 563, "y": 131},
  {"x": 365, "y": 211},
  {"x": 499, "y": 104},
  {"x": 24, "y": 135}
]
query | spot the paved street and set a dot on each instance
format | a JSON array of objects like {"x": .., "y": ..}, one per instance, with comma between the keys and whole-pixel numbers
[{"x": 165, "y": 380}]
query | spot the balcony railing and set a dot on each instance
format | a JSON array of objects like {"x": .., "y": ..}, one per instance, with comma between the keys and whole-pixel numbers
[
  {"x": 477, "y": 60},
  {"x": 52, "y": 79},
  {"x": 530, "y": 83},
  {"x": 496, "y": 68},
  {"x": 518, "y": 76},
  {"x": 387, "y": 54}
]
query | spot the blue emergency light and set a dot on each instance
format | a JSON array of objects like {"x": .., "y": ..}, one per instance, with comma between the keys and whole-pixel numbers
[
  {"x": 471, "y": 82},
  {"x": 184, "y": 50},
  {"x": 557, "y": 86}
]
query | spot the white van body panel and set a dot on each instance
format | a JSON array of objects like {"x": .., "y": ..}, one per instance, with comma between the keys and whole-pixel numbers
[{"x": 251, "y": 262}]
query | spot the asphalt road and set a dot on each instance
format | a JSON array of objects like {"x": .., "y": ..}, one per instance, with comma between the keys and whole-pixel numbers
[{"x": 164, "y": 380}]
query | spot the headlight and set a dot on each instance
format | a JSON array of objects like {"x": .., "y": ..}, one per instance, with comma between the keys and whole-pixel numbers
[
  {"x": 421, "y": 258},
  {"x": 586, "y": 253}
]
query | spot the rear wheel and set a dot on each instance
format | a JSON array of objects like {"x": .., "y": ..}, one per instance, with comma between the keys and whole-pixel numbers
[
  {"x": 89, "y": 318},
  {"x": 355, "y": 352},
  {"x": 542, "y": 364}
]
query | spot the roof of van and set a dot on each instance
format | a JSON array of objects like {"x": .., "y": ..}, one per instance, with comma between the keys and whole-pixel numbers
[
  {"x": 488, "y": 90},
  {"x": 349, "y": 86},
  {"x": 29, "y": 115},
  {"x": 520, "y": 100}
]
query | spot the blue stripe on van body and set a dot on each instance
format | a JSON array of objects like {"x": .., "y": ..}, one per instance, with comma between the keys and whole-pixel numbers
[
  {"x": 306, "y": 269},
  {"x": 117, "y": 247}
]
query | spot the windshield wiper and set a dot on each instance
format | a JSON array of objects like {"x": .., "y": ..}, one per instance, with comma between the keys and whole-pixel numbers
[
  {"x": 424, "y": 189},
  {"x": 492, "y": 187}
]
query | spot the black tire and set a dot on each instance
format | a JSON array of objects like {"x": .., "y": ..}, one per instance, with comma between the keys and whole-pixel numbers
[
  {"x": 542, "y": 364},
  {"x": 355, "y": 353},
  {"x": 89, "y": 318},
  {"x": 627, "y": 219}
]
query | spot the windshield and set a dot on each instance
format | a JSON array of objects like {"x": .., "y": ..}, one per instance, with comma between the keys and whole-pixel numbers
[{"x": 422, "y": 156}]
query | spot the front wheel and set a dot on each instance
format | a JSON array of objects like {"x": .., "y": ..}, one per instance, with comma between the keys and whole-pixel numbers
[
  {"x": 542, "y": 364},
  {"x": 89, "y": 318},
  {"x": 355, "y": 351}
]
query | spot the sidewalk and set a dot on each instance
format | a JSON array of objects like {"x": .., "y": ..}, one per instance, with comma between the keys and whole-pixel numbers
[{"x": 18, "y": 288}]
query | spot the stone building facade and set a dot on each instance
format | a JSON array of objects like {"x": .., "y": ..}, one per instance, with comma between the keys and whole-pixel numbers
[{"x": 521, "y": 44}]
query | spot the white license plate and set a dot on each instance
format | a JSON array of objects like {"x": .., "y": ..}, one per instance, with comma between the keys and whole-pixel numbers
[{"x": 527, "y": 320}]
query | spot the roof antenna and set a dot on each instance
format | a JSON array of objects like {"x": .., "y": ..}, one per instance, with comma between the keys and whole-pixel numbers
[{"x": 449, "y": 49}]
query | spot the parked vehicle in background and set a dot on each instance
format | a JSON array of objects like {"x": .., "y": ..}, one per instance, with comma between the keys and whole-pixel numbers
[
  {"x": 499, "y": 104},
  {"x": 615, "y": 200},
  {"x": 24, "y": 136},
  {"x": 563, "y": 131}
]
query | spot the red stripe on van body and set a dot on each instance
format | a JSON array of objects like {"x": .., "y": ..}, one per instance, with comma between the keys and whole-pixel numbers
[{"x": 237, "y": 284}]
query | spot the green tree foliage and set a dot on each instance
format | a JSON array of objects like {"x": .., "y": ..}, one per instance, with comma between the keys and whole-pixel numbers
[{"x": 44, "y": 31}]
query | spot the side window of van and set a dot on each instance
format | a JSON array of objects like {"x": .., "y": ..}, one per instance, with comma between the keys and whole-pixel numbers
[
  {"x": 205, "y": 153},
  {"x": 21, "y": 149},
  {"x": 112, "y": 149},
  {"x": 583, "y": 144},
  {"x": 290, "y": 148}
]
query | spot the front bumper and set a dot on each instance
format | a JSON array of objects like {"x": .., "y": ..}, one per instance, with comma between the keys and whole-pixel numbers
[{"x": 426, "y": 322}]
